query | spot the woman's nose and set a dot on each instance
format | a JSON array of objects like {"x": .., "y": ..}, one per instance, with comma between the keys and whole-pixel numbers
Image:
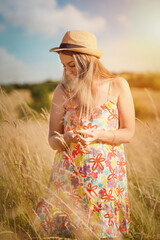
[{"x": 67, "y": 70}]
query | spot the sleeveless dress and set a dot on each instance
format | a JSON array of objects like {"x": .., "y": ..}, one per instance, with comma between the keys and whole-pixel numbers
[{"x": 88, "y": 185}]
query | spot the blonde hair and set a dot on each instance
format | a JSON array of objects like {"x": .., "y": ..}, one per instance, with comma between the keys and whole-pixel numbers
[{"x": 89, "y": 71}]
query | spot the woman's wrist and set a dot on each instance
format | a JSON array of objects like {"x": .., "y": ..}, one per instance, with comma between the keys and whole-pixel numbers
[
  {"x": 106, "y": 136},
  {"x": 99, "y": 134},
  {"x": 114, "y": 137}
]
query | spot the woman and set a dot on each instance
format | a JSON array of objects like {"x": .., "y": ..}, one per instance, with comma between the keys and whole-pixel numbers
[{"x": 92, "y": 115}]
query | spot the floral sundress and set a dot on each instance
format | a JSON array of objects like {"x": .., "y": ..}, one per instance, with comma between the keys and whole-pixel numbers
[{"x": 88, "y": 184}]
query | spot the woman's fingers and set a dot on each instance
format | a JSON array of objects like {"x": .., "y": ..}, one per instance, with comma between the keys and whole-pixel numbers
[
  {"x": 75, "y": 137},
  {"x": 84, "y": 137},
  {"x": 89, "y": 140},
  {"x": 82, "y": 140},
  {"x": 78, "y": 138},
  {"x": 88, "y": 133}
]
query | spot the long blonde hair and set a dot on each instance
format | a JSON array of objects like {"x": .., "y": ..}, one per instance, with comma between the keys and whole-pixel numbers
[{"x": 89, "y": 71}]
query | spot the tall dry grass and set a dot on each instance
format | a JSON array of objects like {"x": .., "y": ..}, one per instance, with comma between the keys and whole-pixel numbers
[
  {"x": 25, "y": 165},
  {"x": 26, "y": 161},
  {"x": 143, "y": 155}
]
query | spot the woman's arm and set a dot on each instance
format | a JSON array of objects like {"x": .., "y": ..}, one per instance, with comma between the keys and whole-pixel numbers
[
  {"x": 56, "y": 118},
  {"x": 126, "y": 119},
  {"x": 126, "y": 113},
  {"x": 57, "y": 139}
]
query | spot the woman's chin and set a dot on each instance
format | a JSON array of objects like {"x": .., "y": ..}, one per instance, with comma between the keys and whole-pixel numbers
[{"x": 71, "y": 76}]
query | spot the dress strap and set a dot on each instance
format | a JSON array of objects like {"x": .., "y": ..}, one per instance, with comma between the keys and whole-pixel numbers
[
  {"x": 66, "y": 89},
  {"x": 109, "y": 89}
]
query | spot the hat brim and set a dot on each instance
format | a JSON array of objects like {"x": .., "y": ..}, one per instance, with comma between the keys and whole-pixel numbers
[{"x": 90, "y": 51}]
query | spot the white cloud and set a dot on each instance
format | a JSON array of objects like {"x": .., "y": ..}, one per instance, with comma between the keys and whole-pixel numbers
[
  {"x": 13, "y": 70},
  {"x": 46, "y": 18}
]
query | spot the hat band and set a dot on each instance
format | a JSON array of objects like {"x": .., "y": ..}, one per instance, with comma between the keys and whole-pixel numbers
[{"x": 69, "y": 45}]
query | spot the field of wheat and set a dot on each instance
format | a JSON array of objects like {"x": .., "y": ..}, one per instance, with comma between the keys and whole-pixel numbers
[{"x": 26, "y": 161}]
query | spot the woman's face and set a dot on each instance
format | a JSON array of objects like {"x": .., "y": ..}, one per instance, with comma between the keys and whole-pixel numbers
[{"x": 68, "y": 64}]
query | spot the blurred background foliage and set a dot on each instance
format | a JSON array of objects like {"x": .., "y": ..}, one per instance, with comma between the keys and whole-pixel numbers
[
  {"x": 39, "y": 93},
  {"x": 139, "y": 83}
]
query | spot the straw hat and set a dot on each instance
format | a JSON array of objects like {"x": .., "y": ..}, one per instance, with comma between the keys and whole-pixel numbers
[{"x": 79, "y": 41}]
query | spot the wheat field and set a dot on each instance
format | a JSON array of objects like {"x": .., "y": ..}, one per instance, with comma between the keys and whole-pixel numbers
[{"x": 26, "y": 160}]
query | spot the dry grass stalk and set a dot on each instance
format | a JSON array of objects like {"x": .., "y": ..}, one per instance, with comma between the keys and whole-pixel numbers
[
  {"x": 153, "y": 104},
  {"x": 26, "y": 160}
]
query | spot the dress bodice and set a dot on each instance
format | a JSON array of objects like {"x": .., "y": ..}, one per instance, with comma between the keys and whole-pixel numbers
[{"x": 104, "y": 116}]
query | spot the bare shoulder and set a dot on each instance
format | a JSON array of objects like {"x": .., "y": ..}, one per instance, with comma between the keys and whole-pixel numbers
[
  {"x": 60, "y": 94},
  {"x": 60, "y": 90},
  {"x": 120, "y": 86},
  {"x": 120, "y": 82}
]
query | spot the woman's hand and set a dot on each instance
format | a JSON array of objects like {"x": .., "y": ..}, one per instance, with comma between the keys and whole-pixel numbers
[
  {"x": 75, "y": 137},
  {"x": 90, "y": 135},
  {"x": 85, "y": 137}
]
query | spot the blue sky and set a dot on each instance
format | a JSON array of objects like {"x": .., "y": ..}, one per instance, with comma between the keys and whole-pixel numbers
[{"x": 127, "y": 32}]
